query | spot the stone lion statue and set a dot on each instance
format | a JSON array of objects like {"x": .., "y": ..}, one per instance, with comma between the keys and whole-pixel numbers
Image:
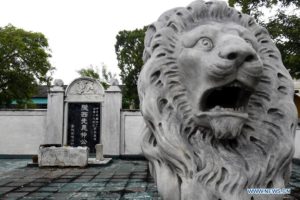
[{"x": 218, "y": 105}]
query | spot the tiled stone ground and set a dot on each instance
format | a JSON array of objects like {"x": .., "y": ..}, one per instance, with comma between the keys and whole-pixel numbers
[
  {"x": 295, "y": 180},
  {"x": 122, "y": 179},
  {"x": 7, "y": 165}
]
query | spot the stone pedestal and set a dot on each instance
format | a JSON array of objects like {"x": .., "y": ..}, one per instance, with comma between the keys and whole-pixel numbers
[
  {"x": 55, "y": 115},
  {"x": 111, "y": 121},
  {"x": 63, "y": 156},
  {"x": 99, "y": 151}
]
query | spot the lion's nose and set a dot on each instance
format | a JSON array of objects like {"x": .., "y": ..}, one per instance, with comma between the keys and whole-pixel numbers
[{"x": 238, "y": 53}]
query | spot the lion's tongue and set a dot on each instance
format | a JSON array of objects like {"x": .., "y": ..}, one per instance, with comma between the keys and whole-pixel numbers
[{"x": 225, "y": 125}]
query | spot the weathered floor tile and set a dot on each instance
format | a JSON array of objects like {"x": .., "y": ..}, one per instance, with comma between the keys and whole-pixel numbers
[
  {"x": 61, "y": 195},
  {"x": 40, "y": 194},
  {"x": 92, "y": 189},
  {"x": 15, "y": 194},
  {"x": 48, "y": 189},
  {"x": 4, "y": 190}
]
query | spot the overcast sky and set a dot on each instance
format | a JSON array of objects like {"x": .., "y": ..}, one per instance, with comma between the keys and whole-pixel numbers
[{"x": 82, "y": 32}]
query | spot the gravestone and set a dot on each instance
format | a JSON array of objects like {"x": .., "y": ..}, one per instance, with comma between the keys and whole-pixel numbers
[
  {"x": 83, "y": 113},
  {"x": 84, "y": 124},
  {"x": 218, "y": 105}
]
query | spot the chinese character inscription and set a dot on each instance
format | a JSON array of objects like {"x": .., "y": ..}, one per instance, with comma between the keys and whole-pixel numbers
[{"x": 84, "y": 124}]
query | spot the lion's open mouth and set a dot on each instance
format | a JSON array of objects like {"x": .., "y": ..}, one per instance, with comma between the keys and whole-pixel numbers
[
  {"x": 232, "y": 97},
  {"x": 224, "y": 109}
]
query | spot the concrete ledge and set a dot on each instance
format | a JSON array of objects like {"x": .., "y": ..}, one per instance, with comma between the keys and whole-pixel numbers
[
  {"x": 126, "y": 157},
  {"x": 94, "y": 163},
  {"x": 24, "y": 112},
  {"x": 16, "y": 156},
  {"x": 63, "y": 156}
]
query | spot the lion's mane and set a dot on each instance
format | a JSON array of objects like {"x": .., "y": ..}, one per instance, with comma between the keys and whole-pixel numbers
[{"x": 180, "y": 159}]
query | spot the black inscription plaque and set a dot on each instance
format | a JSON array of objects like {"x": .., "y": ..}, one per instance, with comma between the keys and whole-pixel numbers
[{"x": 84, "y": 125}]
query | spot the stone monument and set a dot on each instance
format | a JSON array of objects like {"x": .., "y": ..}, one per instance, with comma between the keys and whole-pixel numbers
[
  {"x": 83, "y": 113},
  {"x": 218, "y": 105}
]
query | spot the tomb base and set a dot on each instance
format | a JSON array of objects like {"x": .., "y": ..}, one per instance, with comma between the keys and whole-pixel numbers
[{"x": 63, "y": 156}]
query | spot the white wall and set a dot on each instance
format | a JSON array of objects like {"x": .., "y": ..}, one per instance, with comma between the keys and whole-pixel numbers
[
  {"x": 132, "y": 124},
  {"x": 297, "y": 144},
  {"x": 110, "y": 136},
  {"x": 22, "y": 132}
]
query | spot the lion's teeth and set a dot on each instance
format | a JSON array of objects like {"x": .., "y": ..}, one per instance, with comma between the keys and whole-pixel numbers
[
  {"x": 235, "y": 84},
  {"x": 216, "y": 108},
  {"x": 219, "y": 108}
]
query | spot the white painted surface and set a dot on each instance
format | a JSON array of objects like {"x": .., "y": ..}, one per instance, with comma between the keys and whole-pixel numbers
[
  {"x": 22, "y": 132},
  {"x": 55, "y": 116},
  {"x": 110, "y": 137},
  {"x": 297, "y": 144},
  {"x": 131, "y": 130}
]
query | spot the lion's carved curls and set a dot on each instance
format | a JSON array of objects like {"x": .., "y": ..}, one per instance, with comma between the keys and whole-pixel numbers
[{"x": 218, "y": 105}]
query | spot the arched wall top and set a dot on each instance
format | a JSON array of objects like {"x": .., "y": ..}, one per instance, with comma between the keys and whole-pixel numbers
[{"x": 85, "y": 89}]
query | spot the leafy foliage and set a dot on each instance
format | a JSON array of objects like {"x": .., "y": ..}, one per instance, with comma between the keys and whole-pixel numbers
[
  {"x": 283, "y": 27},
  {"x": 93, "y": 72},
  {"x": 129, "y": 49},
  {"x": 89, "y": 72},
  {"x": 285, "y": 31},
  {"x": 23, "y": 63}
]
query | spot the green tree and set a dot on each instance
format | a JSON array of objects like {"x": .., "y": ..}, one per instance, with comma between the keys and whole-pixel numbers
[
  {"x": 284, "y": 27},
  {"x": 129, "y": 49},
  {"x": 285, "y": 31},
  {"x": 93, "y": 72},
  {"x": 23, "y": 64}
]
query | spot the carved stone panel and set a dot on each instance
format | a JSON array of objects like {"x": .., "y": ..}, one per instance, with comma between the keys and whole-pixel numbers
[{"x": 86, "y": 90}]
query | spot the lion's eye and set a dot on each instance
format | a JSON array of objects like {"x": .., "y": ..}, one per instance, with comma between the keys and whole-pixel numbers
[
  {"x": 249, "y": 42},
  {"x": 204, "y": 43}
]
